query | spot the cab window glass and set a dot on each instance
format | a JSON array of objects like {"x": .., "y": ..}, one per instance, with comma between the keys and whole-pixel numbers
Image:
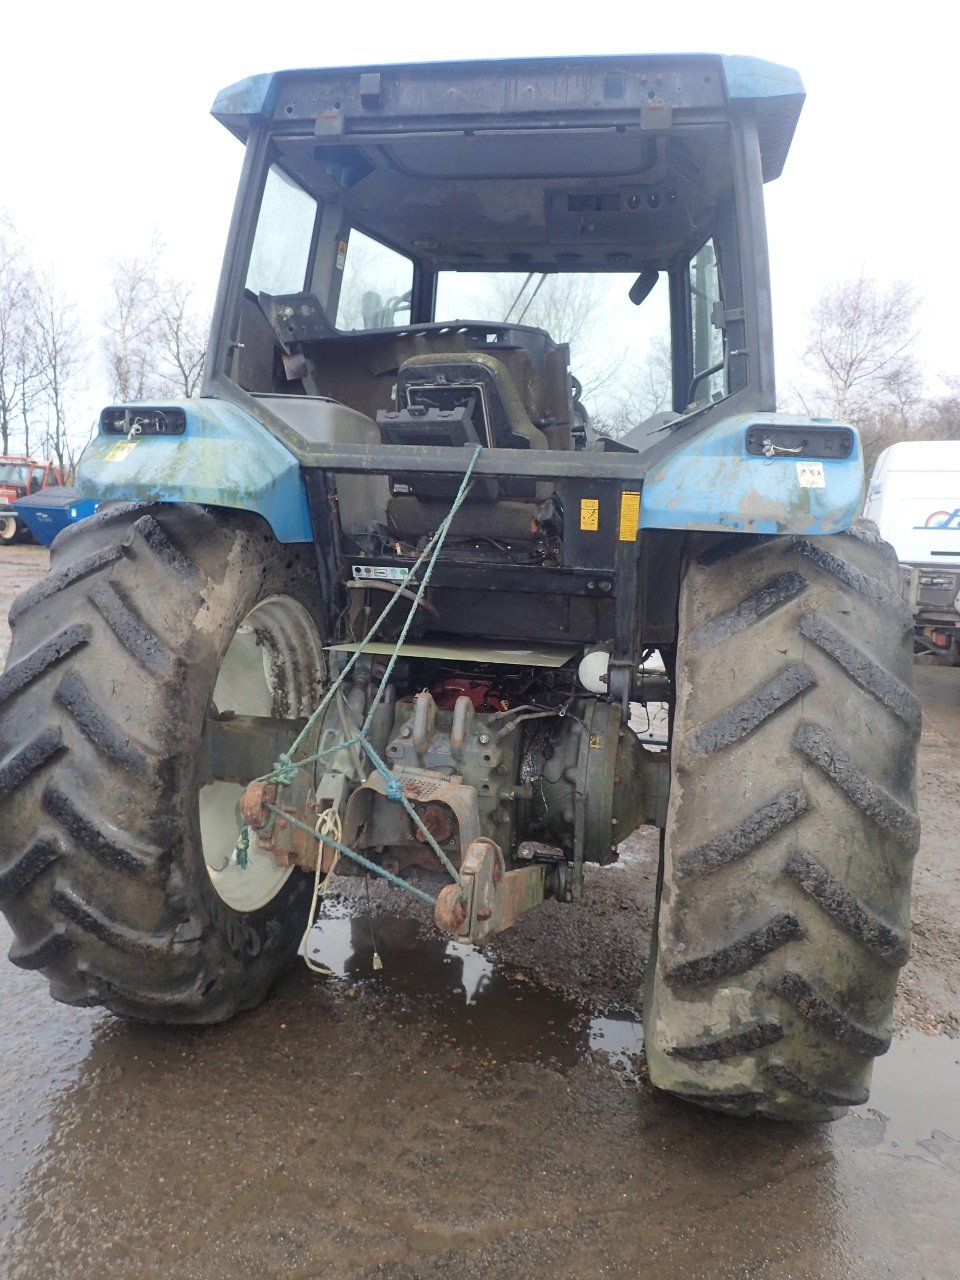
[
  {"x": 708, "y": 347},
  {"x": 619, "y": 351},
  {"x": 281, "y": 246},
  {"x": 376, "y": 288}
]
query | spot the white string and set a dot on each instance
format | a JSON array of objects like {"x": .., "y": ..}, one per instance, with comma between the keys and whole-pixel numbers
[{"x": 328, "y": 824}]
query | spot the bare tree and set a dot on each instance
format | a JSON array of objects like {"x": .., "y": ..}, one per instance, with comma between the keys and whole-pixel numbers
[
  {"x": 131, "y": 323},
  {"x": 155, "y": 338},
  {"x": 859, "y": 366},
  {"x": 858, "y": 361},
  {"x": 567, "y": 306},
  {"x": 651, "y": 381},
  {"x": 646, "y": 389},
  {"x": 59, "y": 353},
  {"x": 182, "y": 334},
  {"x": 18, "y": 373},
  {"x": 31, "y": 388},
  {"x": 940, "y": 417}
]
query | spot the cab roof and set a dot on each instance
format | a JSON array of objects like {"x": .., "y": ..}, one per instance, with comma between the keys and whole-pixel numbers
[
  {"x": 547, "y": 164},
  {"x": 508, "y": 93}
]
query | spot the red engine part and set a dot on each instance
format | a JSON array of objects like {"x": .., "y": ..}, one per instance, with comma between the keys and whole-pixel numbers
[
  {"x": 482, "y": 693},
  {"x": 942, "y": 639}
]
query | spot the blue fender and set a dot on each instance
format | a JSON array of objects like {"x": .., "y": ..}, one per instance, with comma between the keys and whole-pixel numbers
[
  {"x": 712, "y": 482},
  {"x": 224, "y": 458}
]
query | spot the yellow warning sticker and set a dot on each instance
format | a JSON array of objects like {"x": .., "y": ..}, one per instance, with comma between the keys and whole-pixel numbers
[
  {"x": 119, "y": 450},
  {"x": 629, "y": 516},
  {"x": 589, "y": 515}
]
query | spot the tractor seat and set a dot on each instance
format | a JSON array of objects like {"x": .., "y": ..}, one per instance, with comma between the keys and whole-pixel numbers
[
  {"x": 480, "y": 392},
  {"x": 480, "y": 382}
]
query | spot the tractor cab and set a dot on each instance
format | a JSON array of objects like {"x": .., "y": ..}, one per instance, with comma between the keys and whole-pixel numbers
[{"x": 532, "y": 255}]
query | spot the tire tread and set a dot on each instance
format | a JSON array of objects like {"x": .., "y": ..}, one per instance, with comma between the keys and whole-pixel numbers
[{"x": 771, "y": 980}]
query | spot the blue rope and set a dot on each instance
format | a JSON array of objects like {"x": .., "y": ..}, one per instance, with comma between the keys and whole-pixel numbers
[
  {"x": 284, "y": 771},
  {"x": 354, "y": 856},
  {"x": 241, "y": 849}
]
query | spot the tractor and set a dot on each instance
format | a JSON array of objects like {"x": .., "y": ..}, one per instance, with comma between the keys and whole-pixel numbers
[{"x": 392, "y": 595}]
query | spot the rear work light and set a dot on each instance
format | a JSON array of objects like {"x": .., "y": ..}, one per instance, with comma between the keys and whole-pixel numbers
[
  {"x": 127, "y": 420},
  {"x": 800, "y": 442}
]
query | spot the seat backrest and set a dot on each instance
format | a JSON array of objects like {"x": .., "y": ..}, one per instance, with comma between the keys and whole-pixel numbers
[{"x": 476, "y": 378}]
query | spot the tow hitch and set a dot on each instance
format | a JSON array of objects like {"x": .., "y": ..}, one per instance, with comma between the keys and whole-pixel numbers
[{"x": 491, "y": 898}]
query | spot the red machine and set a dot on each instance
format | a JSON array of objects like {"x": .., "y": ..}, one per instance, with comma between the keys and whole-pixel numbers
[{"x": 19, "y": 477}]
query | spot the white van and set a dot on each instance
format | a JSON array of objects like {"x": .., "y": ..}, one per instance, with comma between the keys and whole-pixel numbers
[{"x": 914, "y": 498}]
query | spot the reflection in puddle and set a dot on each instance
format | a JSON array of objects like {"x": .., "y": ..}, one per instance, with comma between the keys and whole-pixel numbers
[
  {"x": 476, "y": 970},
  {"x": 43, "y": 1048},
  {"x": 620, "y": 1037},
  {"x": 914, "y": 1105},
  {"x": 345, "y": 944},
  {"x": 503, "y": 1013}
]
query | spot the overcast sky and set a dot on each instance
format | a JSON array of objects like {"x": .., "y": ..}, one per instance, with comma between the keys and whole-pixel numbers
[{"x": 107, "y": 137}]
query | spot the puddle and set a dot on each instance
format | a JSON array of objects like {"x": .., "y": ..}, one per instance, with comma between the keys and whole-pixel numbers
[
  {"x": 511, "y": 1017},
  {"x": 117, "y": 1133},
  {"x": 501, "y": 1012},
  {"x": 620, "y": 1037},
  {"x": 39, "y": 1058},
  {"x": 914, "y": 1106}
]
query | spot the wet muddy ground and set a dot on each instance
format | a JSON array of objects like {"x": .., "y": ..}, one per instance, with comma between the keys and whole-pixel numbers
[{"x": 463, "y": 1115}]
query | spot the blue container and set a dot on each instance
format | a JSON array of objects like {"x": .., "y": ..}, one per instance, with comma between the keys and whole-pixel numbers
[{"x": 50, "y": 511}]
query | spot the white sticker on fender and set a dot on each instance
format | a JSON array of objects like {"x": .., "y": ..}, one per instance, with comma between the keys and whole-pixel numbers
[{"x": 810, "y": 475}]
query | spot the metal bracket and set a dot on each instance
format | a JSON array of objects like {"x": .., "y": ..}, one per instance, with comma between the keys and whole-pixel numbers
[
  {"x": 290, "y": 845},
  {"x": 656, "y": 115},
  {"x": 492, "y": 898}
]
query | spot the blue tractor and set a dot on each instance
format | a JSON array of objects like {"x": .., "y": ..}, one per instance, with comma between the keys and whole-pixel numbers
[{"x": 388, "y": 596}]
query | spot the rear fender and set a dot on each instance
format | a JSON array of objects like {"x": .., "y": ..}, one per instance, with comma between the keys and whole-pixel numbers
[
  {"x": 712, "y": 482},
  {"x": 224, "y": 458}
]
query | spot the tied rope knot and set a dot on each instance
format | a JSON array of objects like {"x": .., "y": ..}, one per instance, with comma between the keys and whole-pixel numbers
[{"x": 285, "y": 771}]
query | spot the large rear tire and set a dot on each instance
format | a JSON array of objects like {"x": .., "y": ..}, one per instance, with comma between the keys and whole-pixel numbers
[
  {"x": 784, "y": 910},
  {"x": 117, "y": 866}
]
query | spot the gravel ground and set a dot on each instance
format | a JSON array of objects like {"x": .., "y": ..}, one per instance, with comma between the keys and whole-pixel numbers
[{"x": 929, "y": 991}]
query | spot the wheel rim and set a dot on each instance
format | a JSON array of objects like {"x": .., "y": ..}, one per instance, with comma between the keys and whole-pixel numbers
[
  {"x": 273, "y": 666},
  {"x": 8, "y": 528}
]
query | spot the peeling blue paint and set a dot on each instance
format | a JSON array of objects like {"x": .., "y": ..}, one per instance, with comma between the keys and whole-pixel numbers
[
  {"x": 712, "y": 483},
  {"x": 777, "y": 95},
  {"x": 246, "y": 100},
  {"x": 754, "y": 78},
  {"x": 247, "y": 97},
  {"x": 224, "y": 458}
]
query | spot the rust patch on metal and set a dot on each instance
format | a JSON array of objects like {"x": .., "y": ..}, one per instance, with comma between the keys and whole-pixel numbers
[
  {"x": 254, "y": 801},
  {"x": 450, "y": 912},
  {"x": 439, "y": 821}
]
